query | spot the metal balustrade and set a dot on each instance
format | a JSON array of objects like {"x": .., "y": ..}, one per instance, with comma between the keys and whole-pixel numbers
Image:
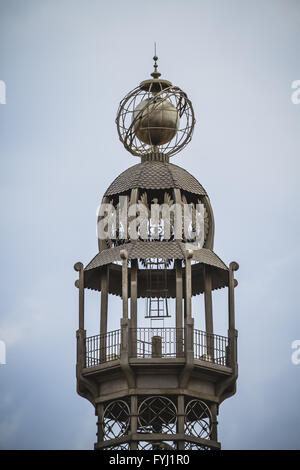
[
  {"x": 157, "y": 342},
  {"x": 172, "y": 340},
  {"x": 211, "y": 348},
  {"x": 103, "y": 348}
]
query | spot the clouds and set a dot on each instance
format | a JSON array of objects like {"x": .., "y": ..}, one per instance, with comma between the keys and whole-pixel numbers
[{"x": 11, "y": 423}]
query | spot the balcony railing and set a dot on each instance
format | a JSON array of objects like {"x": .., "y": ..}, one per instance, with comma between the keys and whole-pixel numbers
[
  {"x": 159, "y": 343},
  {"x": 103, "y": 348},
  {"x": 211, "y": 348}
]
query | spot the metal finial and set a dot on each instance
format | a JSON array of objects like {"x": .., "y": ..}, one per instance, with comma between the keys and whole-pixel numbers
[{"x": 155, "y": 74}]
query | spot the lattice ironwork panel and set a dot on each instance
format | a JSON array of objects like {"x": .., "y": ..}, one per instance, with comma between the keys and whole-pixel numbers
[
  {"x": 157, "y": 415},
  {"x": 162, "y": 445},
  {"x": 194, "y": 446},
  {"x": 198, "y": 419},
  {"x": 124, "y": 446},
  {"x": 116, "y": 419}
]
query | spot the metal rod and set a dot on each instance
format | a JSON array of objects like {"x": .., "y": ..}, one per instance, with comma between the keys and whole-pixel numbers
[{"x": 79, "y": 268}]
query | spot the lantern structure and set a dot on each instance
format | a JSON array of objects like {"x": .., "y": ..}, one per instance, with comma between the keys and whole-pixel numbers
[{"x": 156, "y": 386}]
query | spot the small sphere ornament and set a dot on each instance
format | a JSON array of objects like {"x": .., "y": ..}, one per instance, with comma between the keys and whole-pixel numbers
[
  {"x": 155, "y": 118},
  {"x": 156, "y": 121}
]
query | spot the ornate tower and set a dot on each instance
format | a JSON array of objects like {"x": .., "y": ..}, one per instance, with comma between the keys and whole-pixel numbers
[{"x": 156, "y": 382}]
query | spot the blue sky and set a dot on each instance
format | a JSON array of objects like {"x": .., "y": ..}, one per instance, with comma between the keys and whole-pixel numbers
[{"x": 66, "y": 65}]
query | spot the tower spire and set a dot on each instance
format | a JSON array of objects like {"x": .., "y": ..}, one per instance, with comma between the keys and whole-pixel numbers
[{"x": 155, "y": 74}]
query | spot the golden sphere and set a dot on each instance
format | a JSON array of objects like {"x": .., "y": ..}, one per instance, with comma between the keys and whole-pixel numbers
[{"x": 156, "y": 121}]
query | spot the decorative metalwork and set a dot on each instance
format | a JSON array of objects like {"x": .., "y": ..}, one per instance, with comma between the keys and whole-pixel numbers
[
  {"x": 159, "y": 219},
  {"x": 160, "y": 216},
  {"x": 172, "y": 341},
  {"x": 155, "y": 175},
  {"x": 103, "y": 348},
  {"x": 195, "y": 223},
  {"x": 207, "y": 347},
  {"x": 194, "y": 446},
  {"x": 124, "y": 446},
  {"x": 157, "y": 288},
  {"x": 144, "y": 445},
  {"x": 142, "y": 250},
  {"x": 198, "y": 419},
  {"x": 157, "y": 415},
  {"x": 116, "y": 419},
  {"x": 211, "y": 348},
  {"x": 155, "y": 118}
]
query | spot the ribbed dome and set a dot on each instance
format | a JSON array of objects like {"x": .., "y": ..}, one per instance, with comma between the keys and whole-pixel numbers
[{"x": 155, "y": 175}]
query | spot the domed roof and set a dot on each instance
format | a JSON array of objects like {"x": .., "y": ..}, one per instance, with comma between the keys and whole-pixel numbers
[
  {"x": 155, "y": 249},
  {"x": 155, "y": 175}
]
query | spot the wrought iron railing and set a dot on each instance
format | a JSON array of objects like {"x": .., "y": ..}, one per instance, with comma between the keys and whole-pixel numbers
[
  {"x": 211, "y": 348},
  {"x": 103, "y": 348},
  {"x": 157, "y": 342}
]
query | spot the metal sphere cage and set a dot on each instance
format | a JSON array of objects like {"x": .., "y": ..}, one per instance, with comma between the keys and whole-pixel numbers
[{"x": 152, "y": 105}]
